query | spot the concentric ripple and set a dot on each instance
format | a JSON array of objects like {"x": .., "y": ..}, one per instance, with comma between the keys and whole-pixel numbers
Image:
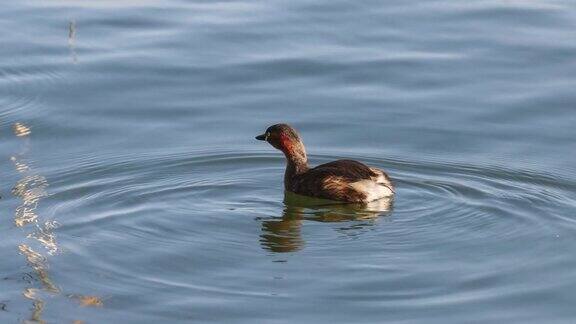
[
  {"x": 215, "y": 224},
  {"x": 455, "y": 202},
  {"x": 22, "y": 85},
  {"x": 186, "y": 222}
]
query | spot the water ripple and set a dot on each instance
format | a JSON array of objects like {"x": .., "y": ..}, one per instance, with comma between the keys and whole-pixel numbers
[{"x": 455, "y": 201}]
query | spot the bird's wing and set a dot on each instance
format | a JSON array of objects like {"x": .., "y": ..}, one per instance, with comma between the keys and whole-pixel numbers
[{"x": 332, "y": 180}]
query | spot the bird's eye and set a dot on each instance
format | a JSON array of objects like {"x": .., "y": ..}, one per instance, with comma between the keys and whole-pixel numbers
[{"x": 267, "y": 136}]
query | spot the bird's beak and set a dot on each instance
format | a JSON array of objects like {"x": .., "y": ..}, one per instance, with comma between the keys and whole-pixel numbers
[{"x": 261, "y": 137}]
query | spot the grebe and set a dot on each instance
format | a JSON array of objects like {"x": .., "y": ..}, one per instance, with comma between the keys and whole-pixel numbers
[{"x": 341, "y": 180}]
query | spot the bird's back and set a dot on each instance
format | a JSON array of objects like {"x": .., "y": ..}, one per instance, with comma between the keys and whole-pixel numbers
[{"x": 344, "y": 180}]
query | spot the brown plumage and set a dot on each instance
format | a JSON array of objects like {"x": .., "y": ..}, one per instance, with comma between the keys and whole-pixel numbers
[{"x": 341, "y": 180}]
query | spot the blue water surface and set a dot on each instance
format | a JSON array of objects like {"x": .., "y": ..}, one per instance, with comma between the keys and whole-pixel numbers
[{"x": 133, "y": 190}]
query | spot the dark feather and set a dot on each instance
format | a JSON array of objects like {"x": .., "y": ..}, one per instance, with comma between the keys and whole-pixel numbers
[
  {"x": 348, "y": 169},
  {"x": 330, "y": 180}
]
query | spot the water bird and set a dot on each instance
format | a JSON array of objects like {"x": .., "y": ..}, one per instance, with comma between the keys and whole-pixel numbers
[{"x": 340, "y": 180}]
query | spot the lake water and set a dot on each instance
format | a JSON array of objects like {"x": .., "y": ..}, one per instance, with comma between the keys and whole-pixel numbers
[{"x": 133, "y": 190}]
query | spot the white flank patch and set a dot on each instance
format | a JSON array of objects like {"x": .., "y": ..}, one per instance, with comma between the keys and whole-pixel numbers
[{"x": 373, "y": 190}]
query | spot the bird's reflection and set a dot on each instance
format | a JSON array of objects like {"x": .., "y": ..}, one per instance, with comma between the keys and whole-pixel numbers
[{"x": 283, "y": 234}]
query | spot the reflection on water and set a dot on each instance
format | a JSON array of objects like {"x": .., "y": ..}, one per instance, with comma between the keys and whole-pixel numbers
[
  {"x": 19, "y": 165},
  {"x": 37, "y": 306},
  {"x": 156, "y": 180},
  {"x": 88, "y": 301},
  {"x": 39, "y": 263},
  {"x": 31, "y": 189},
  {"x": 72, "y": 40},
  {"x": 45, "y": 235},
  {"x": 21, "y": 130},
  {"x": 283, "y": 234}
]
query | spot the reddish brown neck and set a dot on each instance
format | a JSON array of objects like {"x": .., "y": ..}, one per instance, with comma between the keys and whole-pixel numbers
[{"x": 297, "y": 161}]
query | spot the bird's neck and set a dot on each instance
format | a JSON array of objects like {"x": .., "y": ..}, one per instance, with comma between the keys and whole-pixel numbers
[{"x": 296, "y": 164}]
